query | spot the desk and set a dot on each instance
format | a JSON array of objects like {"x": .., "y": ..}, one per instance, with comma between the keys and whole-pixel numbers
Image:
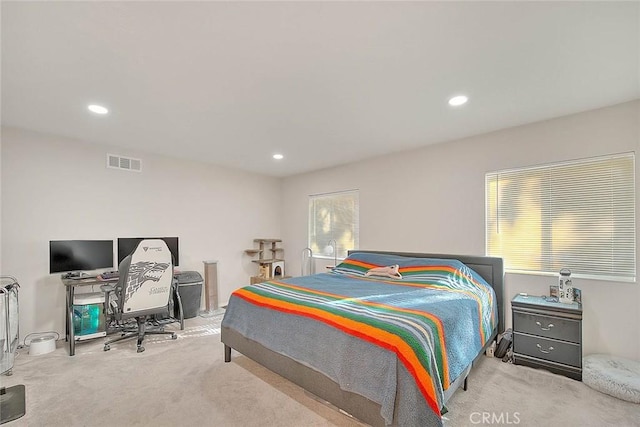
[{"x": 71, "y": 284}]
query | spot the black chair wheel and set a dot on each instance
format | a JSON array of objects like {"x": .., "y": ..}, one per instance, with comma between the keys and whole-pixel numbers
[
  {"x": 107, "y": 347},
  {"x": 140, "y": 349},
  {"x": 174, "y": 337}
]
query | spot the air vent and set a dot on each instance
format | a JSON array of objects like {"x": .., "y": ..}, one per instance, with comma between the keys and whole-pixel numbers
[{"x": 126, "y": 163}]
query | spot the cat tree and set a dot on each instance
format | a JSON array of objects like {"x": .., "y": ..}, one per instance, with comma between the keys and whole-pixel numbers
[{"x": 270, "y": 260}]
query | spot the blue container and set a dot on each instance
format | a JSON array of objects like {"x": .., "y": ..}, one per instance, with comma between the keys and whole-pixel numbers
[{"x": 87, "y": 314}]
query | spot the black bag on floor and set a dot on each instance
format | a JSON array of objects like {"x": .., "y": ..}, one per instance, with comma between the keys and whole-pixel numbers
[{"x": 504, "y": 344}]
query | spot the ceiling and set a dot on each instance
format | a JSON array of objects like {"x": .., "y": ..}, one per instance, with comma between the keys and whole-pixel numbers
[{"x": 323, "y": 83}]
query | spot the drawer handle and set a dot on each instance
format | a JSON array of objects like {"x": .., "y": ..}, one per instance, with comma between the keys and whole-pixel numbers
[
  {"x": 544, "y": 351},
  {"x": 548, "y": 328}
]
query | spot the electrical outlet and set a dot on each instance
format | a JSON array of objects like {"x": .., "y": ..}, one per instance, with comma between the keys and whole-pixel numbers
[{"x": 491, "y": 350}]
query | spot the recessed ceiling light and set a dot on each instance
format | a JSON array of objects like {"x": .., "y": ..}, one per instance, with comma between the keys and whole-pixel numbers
[
  {"x": 98, "y": 109},
  {"x": 278, "y": 156},
  {"x": 458, "y": 100}
]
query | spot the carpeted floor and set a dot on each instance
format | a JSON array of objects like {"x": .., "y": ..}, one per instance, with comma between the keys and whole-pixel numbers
[
  {"x": 518, "y": 395},
  {"x": 186, "y": 382}
]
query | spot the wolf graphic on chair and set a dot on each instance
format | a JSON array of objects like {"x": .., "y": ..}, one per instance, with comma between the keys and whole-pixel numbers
[
  {"x": 143, "y": 271},
  {"x": 144, "y": 289}
]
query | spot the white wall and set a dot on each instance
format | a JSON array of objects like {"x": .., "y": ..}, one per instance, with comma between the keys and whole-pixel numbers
[
  {"x": 433, "y": 200},
  {"x": 55, "y": 188},
  {"x": 1, "y": 238},
  {"x": 427, "y": 200}
]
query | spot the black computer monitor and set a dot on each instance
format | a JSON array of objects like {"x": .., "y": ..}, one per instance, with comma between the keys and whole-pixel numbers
[
  {"x": 126, "y": 245},
  {"x": 80, "y": 255}
]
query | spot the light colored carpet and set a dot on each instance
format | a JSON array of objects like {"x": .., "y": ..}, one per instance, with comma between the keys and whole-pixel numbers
[
  {"x": 186, "y": 382},
  {"x": 534, "y": 397},
  {"x": 172, "y": 383}
]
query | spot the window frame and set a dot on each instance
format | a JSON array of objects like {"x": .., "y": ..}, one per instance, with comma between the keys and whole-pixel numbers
[
  {"x": 355, "y": 225},
  {"x": 552, "y": 209}
]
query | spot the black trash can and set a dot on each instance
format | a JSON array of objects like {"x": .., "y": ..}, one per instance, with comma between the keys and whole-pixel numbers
[{"x": 190, "y": 290}]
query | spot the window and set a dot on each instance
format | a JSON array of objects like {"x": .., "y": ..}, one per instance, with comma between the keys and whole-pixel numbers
[
  {"x": 333, "y": 217},
  {"x": 579, "y": 215}
]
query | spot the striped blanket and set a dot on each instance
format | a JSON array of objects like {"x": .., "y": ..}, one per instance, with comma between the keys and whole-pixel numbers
[{"x": 434, "y": 320}]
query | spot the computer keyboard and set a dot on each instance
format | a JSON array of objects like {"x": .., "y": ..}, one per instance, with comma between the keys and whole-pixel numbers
[
  {"x": 83, "y": 277},
  {"x": 107, "y": 275}
]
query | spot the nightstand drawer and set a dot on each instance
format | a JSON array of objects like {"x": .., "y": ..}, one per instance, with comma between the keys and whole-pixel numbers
[
  {"x": 547, "y": 326},
  {"x": 547, "y": 349}
]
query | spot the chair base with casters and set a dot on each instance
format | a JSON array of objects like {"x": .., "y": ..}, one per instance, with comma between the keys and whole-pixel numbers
[
  {"x": 141, "y": 330},
  {"x": 140, "y": 334}
]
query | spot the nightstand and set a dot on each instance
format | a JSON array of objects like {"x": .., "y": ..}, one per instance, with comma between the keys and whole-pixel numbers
[{"x": 547, "y": 335}]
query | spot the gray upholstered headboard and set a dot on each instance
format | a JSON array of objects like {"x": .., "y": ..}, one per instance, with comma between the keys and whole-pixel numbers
[{"x": 490, "y": 268}]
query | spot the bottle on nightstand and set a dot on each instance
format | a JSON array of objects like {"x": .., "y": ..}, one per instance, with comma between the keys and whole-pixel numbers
[{"x": 565, "y": 288}]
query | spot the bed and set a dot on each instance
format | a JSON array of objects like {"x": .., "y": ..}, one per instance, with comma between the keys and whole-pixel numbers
[{"x": 388, "y": 349}]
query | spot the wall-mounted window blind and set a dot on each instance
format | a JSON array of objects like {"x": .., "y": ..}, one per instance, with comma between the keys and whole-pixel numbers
[
  {"x": 579, "y": 215},
  {"x": 334, "y": 216}
]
